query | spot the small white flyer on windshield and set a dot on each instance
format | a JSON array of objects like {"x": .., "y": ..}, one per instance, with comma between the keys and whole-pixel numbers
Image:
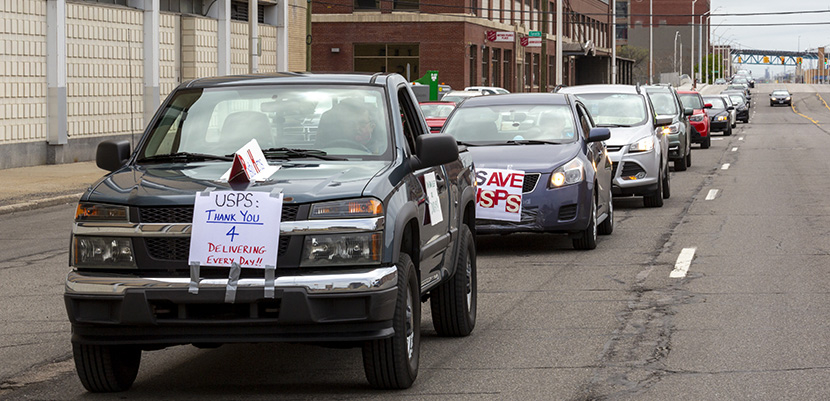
[
  {"x": 499, "y": 194},
  {"x": 249, "y": 164},
  {"x": 434, "y": 204},
  {"x": 235, "y": 227}
]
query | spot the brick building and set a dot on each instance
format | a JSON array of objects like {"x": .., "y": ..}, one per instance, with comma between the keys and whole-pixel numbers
[
  {"x": 412, "y": 37},
  {"x": 674, "y": 23}
]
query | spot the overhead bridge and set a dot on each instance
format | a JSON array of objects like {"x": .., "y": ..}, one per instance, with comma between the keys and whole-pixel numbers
[{"x": 770, "y": 57}]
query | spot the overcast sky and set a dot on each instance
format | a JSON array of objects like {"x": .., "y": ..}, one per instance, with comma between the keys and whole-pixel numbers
[{"x": 780, "y": 37}]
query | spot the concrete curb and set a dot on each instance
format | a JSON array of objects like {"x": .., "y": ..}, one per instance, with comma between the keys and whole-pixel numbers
[{"x": 40, "y": 203}]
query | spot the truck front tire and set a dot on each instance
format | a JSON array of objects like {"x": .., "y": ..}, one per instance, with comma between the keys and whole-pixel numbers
[
  {"x": 106, "y": 368},
  {"x": 392, "y": 363},
  {"x": 453, "y": 303}
]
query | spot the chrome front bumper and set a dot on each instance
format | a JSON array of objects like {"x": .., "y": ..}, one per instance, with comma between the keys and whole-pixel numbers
[{"x": 319, "y": 282}]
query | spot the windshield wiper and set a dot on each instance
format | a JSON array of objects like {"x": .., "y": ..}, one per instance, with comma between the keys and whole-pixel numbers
[
  {"x": 186, "y": 156},
  {"x": 532, "y": 142},
  {"x": 613, "y": 125},
  {"x": 289, "y": 153},
  {"x": 467, "y": 143}
]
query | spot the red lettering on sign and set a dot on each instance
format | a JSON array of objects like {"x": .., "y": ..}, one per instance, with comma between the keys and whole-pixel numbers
[{"x": 516, "y": 180}]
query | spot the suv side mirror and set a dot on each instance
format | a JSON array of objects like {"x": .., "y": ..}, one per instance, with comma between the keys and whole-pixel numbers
[
  {"x": 688, "y": 111},
  {"x": 111, "y": 155},
  {"x": 599, "y": 134},
  {"x": 662, "y": 121},
  {"x": 434, "y": 150}
]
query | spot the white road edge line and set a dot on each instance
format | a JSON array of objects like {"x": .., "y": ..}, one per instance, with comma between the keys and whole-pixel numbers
[
  {"x": 725, "y": 166},
  {"x": 734, "y": 149},
  {"x": 712, "y": 194},
  {"x": 684, "y": 260}
]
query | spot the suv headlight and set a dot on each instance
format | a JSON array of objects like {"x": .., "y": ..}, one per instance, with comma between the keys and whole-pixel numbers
[
  {"x": 696, "y": 118},
  {"x": 669, "y": 129},
  {"x": 643, "y": 145},
  {"x": 571, "y": 172}
]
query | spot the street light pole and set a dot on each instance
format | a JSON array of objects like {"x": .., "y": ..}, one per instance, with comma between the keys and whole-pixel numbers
[
  {"x": 676, "y": 34},
  {"x": 692, "y": 58},
  {"x": 650, "y": 41},
  {"x": 613, "y": 42}
]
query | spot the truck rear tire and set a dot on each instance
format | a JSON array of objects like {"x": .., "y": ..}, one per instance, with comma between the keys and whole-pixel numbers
[
  {"x": 454, "y": 302},
  {"x": 392, "y": 363},
  {"x": 106, "y": 368}
]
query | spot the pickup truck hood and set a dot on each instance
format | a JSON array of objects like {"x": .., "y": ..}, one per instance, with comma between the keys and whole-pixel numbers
[
  {"x": 177, "y": 183},
  {"x": 532, "y": 158}
]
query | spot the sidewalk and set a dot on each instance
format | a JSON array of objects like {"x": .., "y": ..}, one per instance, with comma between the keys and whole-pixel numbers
[{"x": 28, "y": 188}]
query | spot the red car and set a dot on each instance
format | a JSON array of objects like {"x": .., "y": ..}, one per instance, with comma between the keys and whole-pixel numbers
[
  {"x": 699, "y": 120},
  {"x": 435, "y": 113}
]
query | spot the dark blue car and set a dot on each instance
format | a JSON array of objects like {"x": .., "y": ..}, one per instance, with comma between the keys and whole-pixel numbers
[{"x": 550, "y": 141}]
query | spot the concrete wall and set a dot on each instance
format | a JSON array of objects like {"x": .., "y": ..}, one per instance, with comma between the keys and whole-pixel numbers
[{"x": 104, "y": 71}]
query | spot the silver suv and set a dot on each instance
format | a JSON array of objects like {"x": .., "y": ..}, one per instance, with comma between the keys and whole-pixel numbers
[{"x": 637, "y": 147}]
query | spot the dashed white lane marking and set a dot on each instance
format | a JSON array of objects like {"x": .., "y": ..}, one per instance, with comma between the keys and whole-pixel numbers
[
  {"x": 684, "y": 260},
  {"x": 717, "y": 139},
  {"x": 712, "y": 194},
  {"x": 725, "y": 166},
  {"x": 741, "y": 138},
  {"x": 734, "y": 149}
]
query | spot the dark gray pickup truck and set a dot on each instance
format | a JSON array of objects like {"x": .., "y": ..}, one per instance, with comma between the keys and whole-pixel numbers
[{"x": 377, "y": 217}]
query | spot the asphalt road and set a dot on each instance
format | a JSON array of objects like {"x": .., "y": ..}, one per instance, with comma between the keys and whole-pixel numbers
[{"x": 748, "y": 321}]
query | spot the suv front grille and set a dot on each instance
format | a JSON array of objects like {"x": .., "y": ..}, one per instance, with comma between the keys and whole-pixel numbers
[
  {"x": 178, "y": 248},
  {"x": 184, "y": 214},
  {"x": 530, "y": 181}
]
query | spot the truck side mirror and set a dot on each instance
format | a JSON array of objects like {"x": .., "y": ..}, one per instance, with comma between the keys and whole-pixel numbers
[
  {"x": 111, "y": 155},
  {"x": 434, "y": 150}
]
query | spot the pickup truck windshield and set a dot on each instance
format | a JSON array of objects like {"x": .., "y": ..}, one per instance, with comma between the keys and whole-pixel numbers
[{"x": 349, "y": 122}]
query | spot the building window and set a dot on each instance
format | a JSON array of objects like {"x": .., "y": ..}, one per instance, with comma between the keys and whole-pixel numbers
[
  {"x": 496, "y": 63},
  {"x": 119, "y": 2},
  {"x": 622, "y": 9},
  {"x": 485, "y": 66},
  {"x": 182, "y": 6},
  {"x": 366, "y": 4},
  {"x": 622, "y": 32},
  {"x": 406, "y": 5},
  {"x": 507, "y": 82},
  {"x": 239, "y": 12},
  {"x": 473, "y": 62},
  {"x": 402, "y": 58}
]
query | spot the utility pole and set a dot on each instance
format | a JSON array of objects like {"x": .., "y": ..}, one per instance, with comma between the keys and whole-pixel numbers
[
  {"x": 559, "y": 42},
  {"x": 650, "y": 41},
  {"x": 692, "y": 58},
  {"x": 613, "y": 42},
  {"x": 543, "y": 79}
]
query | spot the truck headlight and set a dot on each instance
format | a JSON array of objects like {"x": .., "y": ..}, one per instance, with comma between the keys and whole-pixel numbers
[
  {"x": 643, "y": 145},
  {"x": 100, "y": 212},
  {"x": 571, "y": 172},
  {"x": 342, "y": 249},
  {"x": 363, "y": 207},
  {"x": 102, "y": 252}
]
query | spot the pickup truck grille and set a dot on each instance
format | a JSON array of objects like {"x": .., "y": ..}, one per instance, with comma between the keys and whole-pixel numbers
[
  {"x": 184, "y": 214},
  {"x": 177, "y": 248}
]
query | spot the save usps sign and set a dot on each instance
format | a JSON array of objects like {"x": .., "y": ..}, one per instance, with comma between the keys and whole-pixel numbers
[{"x": 499, "y": 194}]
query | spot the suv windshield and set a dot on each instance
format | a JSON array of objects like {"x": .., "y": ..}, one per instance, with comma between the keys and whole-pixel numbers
[
  {"x": 737, "y": 99},
  {"x": 615, "y": 109},
  {"x": 663, "y": 102},
  {"x": 343, "y": 121},
  {"x": 513, "y": 124},
  {"x": 691, "y": 100}
]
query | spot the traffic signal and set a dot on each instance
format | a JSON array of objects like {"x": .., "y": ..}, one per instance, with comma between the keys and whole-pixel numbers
[
  {"x": 739, "y": 59},
  {"x": 798, "y": 60},
  {"x": 766, "y": 59}
]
